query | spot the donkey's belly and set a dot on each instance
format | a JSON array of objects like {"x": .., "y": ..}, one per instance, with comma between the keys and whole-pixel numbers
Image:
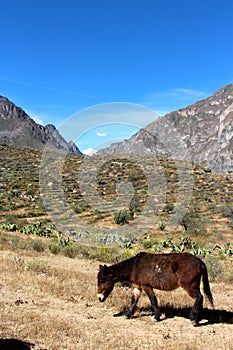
[{"x": 165, "y": 281}]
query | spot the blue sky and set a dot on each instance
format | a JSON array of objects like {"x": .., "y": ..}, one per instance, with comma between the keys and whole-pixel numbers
[{"x": 62, "y": 57}]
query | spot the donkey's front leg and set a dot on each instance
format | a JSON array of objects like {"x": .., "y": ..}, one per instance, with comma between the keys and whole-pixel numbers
[
  {"x": 154, "y": 303},
  {"x": 135, "y": 297}
]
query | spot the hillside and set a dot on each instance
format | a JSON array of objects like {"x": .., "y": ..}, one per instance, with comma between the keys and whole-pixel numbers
[
  {"x": 18, "y": 129},
  {"x": 209, "y": 212},
  {"x": 201, "y": 133}
]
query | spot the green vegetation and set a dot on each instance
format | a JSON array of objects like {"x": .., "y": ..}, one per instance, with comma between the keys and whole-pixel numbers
[
  {"x": 206, "y": 229},
  {"x": 8, "y": 227},
  {"x": 123, "y": 217}
]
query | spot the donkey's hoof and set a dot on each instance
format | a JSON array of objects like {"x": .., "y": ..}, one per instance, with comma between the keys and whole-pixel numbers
[
  {"x": 127, "y": 316},
  {"x": 156, "y": 318},
  {"x": 195, "y": 323}
]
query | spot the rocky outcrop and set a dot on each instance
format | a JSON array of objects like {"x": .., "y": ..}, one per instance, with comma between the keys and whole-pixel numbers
[
  {"x": 201, "y": 133},
  {"x": 17, "y": 128}
]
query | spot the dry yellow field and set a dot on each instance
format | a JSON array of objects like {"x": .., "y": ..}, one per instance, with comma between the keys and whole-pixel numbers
[{"x": 50, "y": 301}]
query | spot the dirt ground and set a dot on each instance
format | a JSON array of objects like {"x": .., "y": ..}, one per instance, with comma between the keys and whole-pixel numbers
[{"x": 50, "y": 301}]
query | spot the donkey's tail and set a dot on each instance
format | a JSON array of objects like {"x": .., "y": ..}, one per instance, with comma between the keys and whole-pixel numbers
[{"x": 206, "y": 285}]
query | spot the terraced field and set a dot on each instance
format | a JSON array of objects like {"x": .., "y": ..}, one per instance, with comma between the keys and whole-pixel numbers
[{"x": 120, "y": 184}]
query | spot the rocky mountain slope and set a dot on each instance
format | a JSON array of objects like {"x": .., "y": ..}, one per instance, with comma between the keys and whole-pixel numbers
[
  {"x": 201, "y": 133},
  {"x": 18, "y": 129}
]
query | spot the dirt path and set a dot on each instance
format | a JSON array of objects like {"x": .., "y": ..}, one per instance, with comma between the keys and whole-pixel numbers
[{"x": 51, "y": 302}]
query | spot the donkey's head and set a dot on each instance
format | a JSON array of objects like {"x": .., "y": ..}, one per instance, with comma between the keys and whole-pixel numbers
[{"x": 105, "y": 283}]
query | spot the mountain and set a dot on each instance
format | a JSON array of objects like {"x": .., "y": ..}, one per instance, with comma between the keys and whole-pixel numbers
[
  {"x": 201, "y": 133},
  {"x": 18, "y": 129}
]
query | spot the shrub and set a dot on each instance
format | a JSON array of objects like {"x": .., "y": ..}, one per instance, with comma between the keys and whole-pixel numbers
[
  {"x": 123, "y": 217},
  {"x": 127, "y": 242},
  {"x": 38, "y": 246},
  {"x": 161, "y": 225},
  {"x": 215, "y": 270},
  {"x": 105, "y": 254},
  {"x": 168, "y": 208},
  {"x": 30, "y": 192},
  {"x": 147, "y": 243},
  {"x": 193, "y": 224},
  {"x": 80, "y": 206},
  {"x": 70, "y": 250},
  {"x": 54, "y": 248},
  {"x": 10, "y": 218},
  {"x": 227, "y": 211}
]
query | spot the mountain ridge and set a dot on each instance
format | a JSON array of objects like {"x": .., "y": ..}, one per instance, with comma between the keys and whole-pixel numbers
[
  {"x": 201, "y": 133},
  {"x": 17, "y": 128}
]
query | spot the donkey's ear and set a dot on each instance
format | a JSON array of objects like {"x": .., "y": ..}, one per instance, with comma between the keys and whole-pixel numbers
[
  {"x": 100, "y": 267},
  {"x": 105, "y": 268}
]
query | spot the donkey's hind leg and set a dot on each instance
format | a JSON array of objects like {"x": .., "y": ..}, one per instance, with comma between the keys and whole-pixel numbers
[
  {"x": 196, "y": 311},
  {"x": 154, "y": 303},
  {"x": 135, "y": 297}
]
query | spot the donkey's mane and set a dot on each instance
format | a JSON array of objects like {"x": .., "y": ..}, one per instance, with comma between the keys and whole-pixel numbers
[{"x": 123, "y": 264}]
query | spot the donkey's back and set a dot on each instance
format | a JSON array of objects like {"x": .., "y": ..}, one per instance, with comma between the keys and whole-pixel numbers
[{"x": 166, "y": 271}]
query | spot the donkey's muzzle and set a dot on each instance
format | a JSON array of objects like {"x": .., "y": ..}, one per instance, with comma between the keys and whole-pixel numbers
[{"x": 101, "y": 297}]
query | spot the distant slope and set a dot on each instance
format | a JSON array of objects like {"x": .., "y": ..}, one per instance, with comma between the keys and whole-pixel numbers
[
  {"x": 18, "y": 129},
  {"x": 201, "y": 133}
]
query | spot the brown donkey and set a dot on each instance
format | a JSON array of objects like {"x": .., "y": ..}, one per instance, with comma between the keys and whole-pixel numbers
[{"x": 160, "y": 271}]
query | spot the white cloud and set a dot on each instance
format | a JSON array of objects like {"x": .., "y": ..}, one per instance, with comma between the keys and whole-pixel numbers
[
  {"x": 89, "y": 151},
  {"x": 172, "y": 99},
  {"x": 101, "y": 134},
  {"x": 186, "y": 94}
]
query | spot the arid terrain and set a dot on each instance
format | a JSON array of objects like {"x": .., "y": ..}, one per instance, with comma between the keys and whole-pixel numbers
[
  {"x": 50, "y": 301},
  {"x": 48, "y": 278}
]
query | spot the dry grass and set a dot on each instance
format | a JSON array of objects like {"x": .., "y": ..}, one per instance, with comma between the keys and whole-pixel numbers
[{"x": 51, "y": 301}]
